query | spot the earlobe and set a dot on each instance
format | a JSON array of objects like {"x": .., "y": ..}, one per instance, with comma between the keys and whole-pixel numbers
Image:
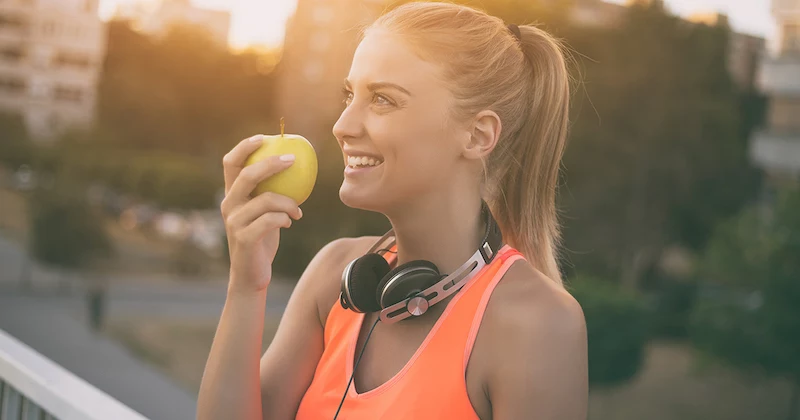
[{"x": 484, "y": 135}]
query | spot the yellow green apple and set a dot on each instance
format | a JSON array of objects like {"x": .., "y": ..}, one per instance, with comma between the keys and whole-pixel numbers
[{"x": 297, "y": 181}]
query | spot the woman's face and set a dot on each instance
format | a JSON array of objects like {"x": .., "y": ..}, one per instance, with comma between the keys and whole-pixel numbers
[{"x": 396, "y": 110}]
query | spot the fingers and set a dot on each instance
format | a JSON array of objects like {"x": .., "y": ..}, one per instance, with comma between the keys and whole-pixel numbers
[
  {"x": 267, "y": 202},
  {"x": 261, "y": 226},
  {"x": 233, "y": 161},
  {"x": 250, "y": 176}
]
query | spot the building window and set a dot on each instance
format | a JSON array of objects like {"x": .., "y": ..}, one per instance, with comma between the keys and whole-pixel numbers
[
  {"x": 791, "y": 37},
  {"x": 12, "y": 22},
  {"x": 12, "y": 54},
  {"x": 76, "y": 60},
  {"x": 13, "y": 85},
  {"x": 68, "y": 94}
]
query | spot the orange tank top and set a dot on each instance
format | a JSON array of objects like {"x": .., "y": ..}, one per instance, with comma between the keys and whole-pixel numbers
[{"x": 432, "y": 385}]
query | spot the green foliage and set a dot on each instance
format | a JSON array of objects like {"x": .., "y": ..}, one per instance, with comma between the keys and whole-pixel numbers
[
  {"x": 16, "y": 147},
  {"x": 748, "y": 315},
  {"x": 65, "y": 231},
  {"x": 673, "y": 301},
  {"x": 171, "y": 180},
  {"x": 182, "y": 93},
  {"x": 617, "y": 325},
  {"x": 658, "y": 148}
]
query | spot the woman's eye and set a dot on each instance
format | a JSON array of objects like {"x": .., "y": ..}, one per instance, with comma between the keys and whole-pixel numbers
[
  {"x": 382, "y": 100},
  {"x": 348, "y": 96},
  {"x": 377, "y": 98}
]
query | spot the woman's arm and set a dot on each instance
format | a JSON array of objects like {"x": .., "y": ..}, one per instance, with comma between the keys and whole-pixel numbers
[
  {"x": 238, "y": 383},
  {"x": 288, "y": 366},
  {"x": 541, "y": 371},
  {"x": 230, "y": 385}
]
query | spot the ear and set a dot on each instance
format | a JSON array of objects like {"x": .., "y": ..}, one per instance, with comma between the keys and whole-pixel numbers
[{"x": 483, "y": 135}]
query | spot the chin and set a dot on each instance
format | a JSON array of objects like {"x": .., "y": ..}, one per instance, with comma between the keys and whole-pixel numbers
[{"x": 360, "y": 198}]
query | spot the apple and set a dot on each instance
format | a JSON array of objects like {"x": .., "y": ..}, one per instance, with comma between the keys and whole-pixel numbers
[{"x": 297, "y": 180}]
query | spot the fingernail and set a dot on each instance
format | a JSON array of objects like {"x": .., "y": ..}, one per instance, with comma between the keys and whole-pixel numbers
[
  {"x": 256, "y": 138},
  {"x": 301, "y": 212},
  {"x": 287, "y": 158}
]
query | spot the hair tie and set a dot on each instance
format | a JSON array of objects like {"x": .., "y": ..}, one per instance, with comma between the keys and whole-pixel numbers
[{"x": 515, "y": 30}]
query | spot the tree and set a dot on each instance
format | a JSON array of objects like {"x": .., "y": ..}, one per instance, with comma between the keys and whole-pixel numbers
[
  {"x": 617, "y": 325},
  {"x": 65, "y": 231},
  {"x": 748, "y": 316},
  {"x": 182, "y": 93},
  {"x": 16, "y": 147},
  {"x": 656, "y": 151}
]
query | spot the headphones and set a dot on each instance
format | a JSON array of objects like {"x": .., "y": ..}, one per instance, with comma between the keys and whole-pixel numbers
[{"x": 369, "y": 285}]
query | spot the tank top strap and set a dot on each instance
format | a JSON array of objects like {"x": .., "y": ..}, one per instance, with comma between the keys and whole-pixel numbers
[{"x": 457, "y": 332}]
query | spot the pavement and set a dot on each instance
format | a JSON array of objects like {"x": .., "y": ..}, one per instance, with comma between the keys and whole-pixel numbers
[{"x": 48, "y": 312}]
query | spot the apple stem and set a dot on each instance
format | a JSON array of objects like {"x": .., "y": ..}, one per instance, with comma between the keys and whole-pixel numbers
[{"x": 281, "y": 126}]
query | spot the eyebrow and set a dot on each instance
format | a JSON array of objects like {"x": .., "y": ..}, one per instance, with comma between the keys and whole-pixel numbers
[{"x": 378, "y": 85}]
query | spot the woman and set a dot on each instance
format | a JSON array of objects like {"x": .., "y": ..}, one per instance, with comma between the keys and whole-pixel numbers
[{"x": 453, "y": 107}]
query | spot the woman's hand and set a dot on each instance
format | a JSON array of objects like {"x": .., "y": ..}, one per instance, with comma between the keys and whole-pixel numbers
[{"x": 253, "y": 225}]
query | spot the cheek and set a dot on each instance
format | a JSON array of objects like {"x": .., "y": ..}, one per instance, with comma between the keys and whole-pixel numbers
[
  {"x": 419, "y": 160},
  {"x": 413, "y": 142}
]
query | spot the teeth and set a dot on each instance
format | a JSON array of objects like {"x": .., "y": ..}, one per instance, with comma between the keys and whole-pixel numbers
[{"x": 362, "y": 161}]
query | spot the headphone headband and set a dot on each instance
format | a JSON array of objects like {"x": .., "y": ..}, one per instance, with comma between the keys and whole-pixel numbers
[{"x": 490, "y": 244}]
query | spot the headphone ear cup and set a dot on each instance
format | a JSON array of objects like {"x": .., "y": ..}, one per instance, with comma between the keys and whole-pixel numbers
[
  {"x": 365, "y": 274},
  {"x": 418, "y": 276}
]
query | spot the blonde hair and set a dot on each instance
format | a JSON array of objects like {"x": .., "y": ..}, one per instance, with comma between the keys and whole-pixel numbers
[{"x": 526, "y": 82}]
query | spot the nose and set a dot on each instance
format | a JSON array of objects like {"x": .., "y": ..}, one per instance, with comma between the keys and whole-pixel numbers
[{"x": 349, "y": 125}]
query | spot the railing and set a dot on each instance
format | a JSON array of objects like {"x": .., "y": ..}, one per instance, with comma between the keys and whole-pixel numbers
[{"x": 34, "y": 387}]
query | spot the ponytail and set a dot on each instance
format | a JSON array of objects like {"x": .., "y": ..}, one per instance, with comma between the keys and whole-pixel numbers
[{"x": 525, "y": 196}]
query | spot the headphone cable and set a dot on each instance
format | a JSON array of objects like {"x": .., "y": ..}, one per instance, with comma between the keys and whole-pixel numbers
[{"x": 355, "y": 367}]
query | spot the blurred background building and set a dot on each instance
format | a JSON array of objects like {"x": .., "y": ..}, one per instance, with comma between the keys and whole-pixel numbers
[
  {"x": 157, "y": 18},
  {"x": 51, "y": 57},
  {"x": 776, "y": 148},
  {"x": 321, "y": 39},
  {"x": 745, "y": 51}
]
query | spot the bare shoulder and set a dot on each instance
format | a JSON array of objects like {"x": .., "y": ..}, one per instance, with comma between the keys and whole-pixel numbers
[
  {"x": 528, "y": 302},
  {"x": 537, "y": 333},
  {"x": 334, "y": 257}
]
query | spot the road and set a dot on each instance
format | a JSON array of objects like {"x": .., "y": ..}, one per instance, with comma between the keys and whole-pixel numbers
[{"x": 126, "y": 297}]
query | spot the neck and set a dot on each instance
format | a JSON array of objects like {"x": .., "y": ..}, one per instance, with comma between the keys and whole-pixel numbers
[{"x": 443, "y": 230}]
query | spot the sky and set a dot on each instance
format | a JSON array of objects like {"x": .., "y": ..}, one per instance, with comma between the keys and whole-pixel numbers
[
  {"x": 262, "y": 22},
  {"x": 748, "y": 16}
]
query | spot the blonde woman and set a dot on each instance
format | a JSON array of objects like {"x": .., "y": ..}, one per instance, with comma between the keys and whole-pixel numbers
[{"x": 453, "y": 127}]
